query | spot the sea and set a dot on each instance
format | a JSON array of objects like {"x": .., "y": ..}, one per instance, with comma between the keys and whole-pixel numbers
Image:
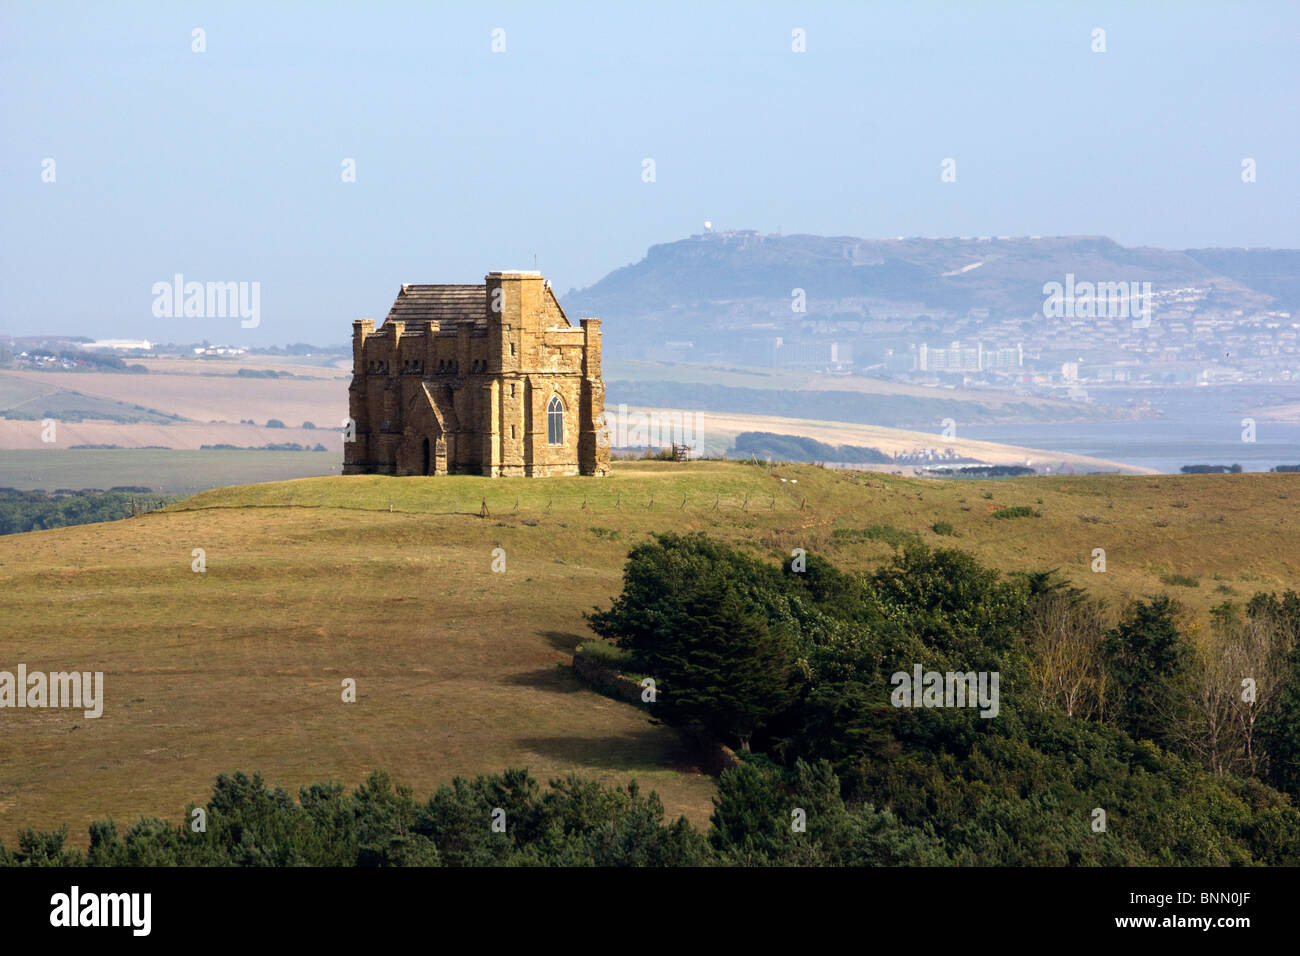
[{"x": 1194, "y": 425}]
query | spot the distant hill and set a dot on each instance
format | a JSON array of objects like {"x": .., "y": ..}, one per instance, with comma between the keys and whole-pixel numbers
[
  {"x": 772, "y": 447},
  {"x": 707, "y": 288},
  {"x": 1274, "y": 272}
]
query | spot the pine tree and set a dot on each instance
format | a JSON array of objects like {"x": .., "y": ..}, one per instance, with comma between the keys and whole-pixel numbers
[
  {"x": 1147, "y": 657},
  {"x": 721, "y": 666}
]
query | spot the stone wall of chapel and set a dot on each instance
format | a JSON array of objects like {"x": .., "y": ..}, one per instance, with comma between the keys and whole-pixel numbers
[
  {"x": 545, "y": 458},
  {"x": 490, "y": 386}
]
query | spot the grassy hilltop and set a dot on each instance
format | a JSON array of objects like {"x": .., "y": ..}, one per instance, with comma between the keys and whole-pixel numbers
[{"x": 458, "y": 669}]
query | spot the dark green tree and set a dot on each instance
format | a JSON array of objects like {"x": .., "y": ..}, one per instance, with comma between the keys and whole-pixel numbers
[
  {"x": 720, "y": 666},
  {"x": 749, "y": 812},
  {"x": 960, "y": 610},
  {"x": 1279, "y": 732},
  {"x": 660, "y": 574},
  {"x": 1147, "y": 657}
]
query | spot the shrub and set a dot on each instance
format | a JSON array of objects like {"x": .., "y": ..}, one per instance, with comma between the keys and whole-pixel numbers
[
  {"x": 894, "y": 537},
  {"x": 602, "y": 652},
  {"x": 1018, "y": 511}
]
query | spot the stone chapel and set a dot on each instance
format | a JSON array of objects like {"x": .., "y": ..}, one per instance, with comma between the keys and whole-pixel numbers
[{"x": 488, "y": 379}]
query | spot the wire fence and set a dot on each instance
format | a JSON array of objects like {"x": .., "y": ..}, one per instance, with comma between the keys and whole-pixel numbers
[{"x": 495, "y": 506}]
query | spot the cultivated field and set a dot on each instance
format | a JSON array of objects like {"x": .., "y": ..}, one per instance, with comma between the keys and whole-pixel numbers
[
  {"x": 212, "y": 398},
  {"x": 309, "y": 365},
  {"x": 24, "y": 401},
  {"x": 460, "y": 669},
  {"x": 192, "y": 436},
  {"x": 165, "y": 472}
]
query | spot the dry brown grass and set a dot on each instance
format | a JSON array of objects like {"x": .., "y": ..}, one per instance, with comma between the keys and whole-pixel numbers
[{"x": 461, "y": 670}]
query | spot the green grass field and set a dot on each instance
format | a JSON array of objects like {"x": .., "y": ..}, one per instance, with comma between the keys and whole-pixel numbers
[{"x": 461, "y": 670}]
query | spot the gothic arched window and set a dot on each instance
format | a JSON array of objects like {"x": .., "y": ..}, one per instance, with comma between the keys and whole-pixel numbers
[{"x": 555, "y": 422}]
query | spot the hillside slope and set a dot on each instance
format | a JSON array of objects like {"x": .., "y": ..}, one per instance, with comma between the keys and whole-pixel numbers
[{"x": 460, "y": 669}]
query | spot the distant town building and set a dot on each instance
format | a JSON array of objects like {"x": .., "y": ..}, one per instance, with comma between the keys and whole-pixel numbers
[
  {"x": 777, "y": 351},
  {"x": 123, "y": 345},
  {"x": 957, "y": 358}
]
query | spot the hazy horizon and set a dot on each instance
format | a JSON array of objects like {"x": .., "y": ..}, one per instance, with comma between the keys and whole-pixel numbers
[{"x": 228, "y": 165}]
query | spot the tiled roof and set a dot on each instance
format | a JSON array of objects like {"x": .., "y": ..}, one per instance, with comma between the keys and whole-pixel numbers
[{"x": 440, "y": 303}]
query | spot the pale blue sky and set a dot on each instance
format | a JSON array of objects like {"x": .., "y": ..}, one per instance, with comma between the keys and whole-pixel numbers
[{"x": 225, "y": 165}]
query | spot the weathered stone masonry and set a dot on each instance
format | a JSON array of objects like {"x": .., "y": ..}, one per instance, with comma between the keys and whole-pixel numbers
[{"x": 477, "y": 379}]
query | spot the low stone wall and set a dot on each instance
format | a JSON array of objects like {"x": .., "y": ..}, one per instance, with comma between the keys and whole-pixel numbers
[
  {"x": 608, "y": 681},
  {"x": 714, "y": 756}
]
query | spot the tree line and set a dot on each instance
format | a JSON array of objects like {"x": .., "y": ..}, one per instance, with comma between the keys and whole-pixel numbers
[
  {"x": 37, "y": 510},
  {"x": 1186, "y": 738}
]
